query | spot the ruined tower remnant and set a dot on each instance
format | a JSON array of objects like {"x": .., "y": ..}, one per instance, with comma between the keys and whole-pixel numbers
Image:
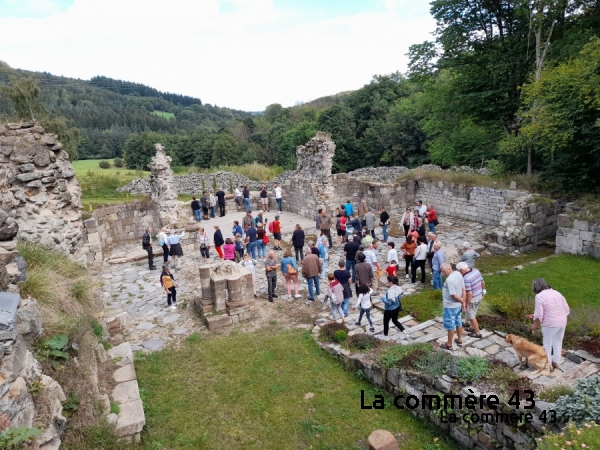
[
  {"x": 164, "y": 194},
  {"x": 315, "y": 158}
]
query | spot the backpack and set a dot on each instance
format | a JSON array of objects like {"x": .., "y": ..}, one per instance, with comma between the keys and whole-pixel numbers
[
  {"x": 338, "y": 224},
  {"x": 270, "y": 227}
]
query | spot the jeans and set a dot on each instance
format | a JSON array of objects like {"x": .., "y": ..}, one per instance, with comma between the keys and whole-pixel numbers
[
  {"x": 384, "y": 231},
  {"x": 345, "y": 305},
  {"x": 327, "y": 233},
  {"x": 197, "y": 214},
  {"x": 271, "y": 285},
  {"x": 204, "y": 252},
  {"x": 366, "y": 311},
  {"x": 437, "y": 279},
  {"x": 431, "y": 226},
  {"x": 172, "y": 295},
  {"x": 251, "y": 248},
  {"x": 299, "y": 253},
  {"x": 221, "y": 209},
  {"x": 212, "y": 211},
  {"x": 552, "y": 338},
  {"x": 408, "y": 259},
  {"x": 279, "y": 204},
  {"x": 393, "y": 316},
  {"x": 324, "y": 270},
  {"x": 238, "y": 201},
  {"x": 262, "y": 249},
  {"x": 313, "y": 281},
  {"x": 248, "y": 204},
  {"x": 351, "y": 265},
  {"x": 165, "y": 248},
  {"x": 336, "y": 311}
]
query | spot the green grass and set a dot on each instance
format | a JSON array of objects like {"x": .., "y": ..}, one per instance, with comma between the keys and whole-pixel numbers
[
  {"x": 494, "y": 263},
  {"x": 83, "y": 166},
  {"x": 246, "y": 391},
  {"x": 573, "y": 276},
  {"x": 164, "y": 114},
  {"x": 585, "y": 436}
]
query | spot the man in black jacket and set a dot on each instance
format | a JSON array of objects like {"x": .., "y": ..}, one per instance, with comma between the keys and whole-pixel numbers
[
  {"x": 147, "y": 245},
  {"x": 221, "y": 201},
  {"x": 196, "y": 208}
]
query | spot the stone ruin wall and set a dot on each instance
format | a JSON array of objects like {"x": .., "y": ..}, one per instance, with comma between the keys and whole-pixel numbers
[
  {"x": 163, "y": 192},
  {"x": 38, "y": 188},
  {"x": 579, "y": 237}
]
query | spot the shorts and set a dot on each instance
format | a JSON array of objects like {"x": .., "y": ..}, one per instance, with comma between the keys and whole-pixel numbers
[
  {"x": 473, "y": 307},
  {"x": 452, "y": 318},
  {"x": 277, "y": 236},
  {"x": 264, "y": 201},
  {"x": 341, "y": 233}
]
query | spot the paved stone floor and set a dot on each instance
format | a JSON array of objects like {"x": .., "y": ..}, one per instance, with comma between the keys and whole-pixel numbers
[{"x": 133, "y": 293}]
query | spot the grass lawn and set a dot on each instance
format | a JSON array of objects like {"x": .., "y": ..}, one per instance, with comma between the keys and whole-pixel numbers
[
  {"x": 571, "y": 275},
  {"x": 164, "y": 114},
  {"x": 246, "y": 391},
  {"x": 83, "y": 166}
]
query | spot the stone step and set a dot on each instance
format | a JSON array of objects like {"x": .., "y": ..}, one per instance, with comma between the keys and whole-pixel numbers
[
  {"x": 580, "y": 371},
  {"x": 421, "y": 326},
  {"x": 121, "y": 352},
  {"x": 430, "y": 337}
]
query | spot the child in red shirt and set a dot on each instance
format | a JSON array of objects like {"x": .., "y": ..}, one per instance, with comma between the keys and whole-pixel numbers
[
  {"x": 392, "y": 269},
  {"x": 276, "y": 233}
]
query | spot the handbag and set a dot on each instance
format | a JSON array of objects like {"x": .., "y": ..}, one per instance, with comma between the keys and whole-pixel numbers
[
  {"x": 436, "y": 223},
  {"x": 291, "y": 270}
]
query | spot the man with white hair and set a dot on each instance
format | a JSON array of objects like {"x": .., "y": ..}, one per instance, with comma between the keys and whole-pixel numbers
[
  {"x": 469, "y": 255},
  {"x": 431, "y": 238},
  {"x": 453, "y": 294},
  {"x": 474, "y": 289},
  {"x": 438, "y": 259}
]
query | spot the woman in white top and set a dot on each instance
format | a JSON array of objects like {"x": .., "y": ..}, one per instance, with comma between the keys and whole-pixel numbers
[
  {"x": 408, "y": 219},
  {"x": 204, "y": 243},
  {"x": 392, "y": 254},
  {"x": 161, "y": 239},
  {"x": 419, "y": 260}
]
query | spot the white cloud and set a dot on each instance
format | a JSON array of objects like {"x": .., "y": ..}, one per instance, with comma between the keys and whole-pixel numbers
[{"x": 246, "y": 59}]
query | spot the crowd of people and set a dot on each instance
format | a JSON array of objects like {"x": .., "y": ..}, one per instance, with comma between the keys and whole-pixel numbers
[{"x": 355, "y": 234}]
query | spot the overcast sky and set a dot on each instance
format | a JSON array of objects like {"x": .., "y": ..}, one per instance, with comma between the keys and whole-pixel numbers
[{"x": 243, "y": 54}]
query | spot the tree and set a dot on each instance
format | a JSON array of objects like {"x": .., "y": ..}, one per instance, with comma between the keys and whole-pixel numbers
[
  {"x": 226, "y": 150},
  {"x": 24, "y": 94}
]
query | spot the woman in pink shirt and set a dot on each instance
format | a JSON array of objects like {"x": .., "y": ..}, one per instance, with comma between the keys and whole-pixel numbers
[
  {"x": 229, "y": 250},
  {"x": 551, "y": 311}
]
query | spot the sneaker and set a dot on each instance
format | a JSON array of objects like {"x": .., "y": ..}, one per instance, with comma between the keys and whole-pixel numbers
[
  {"x": 372, "y": 330},
  {"x": 404, "y": 336},
  {"x": 172, "y": 307},
  {"x": 297, "y": 296},
  {"x": 275, "y": 295},
  {"x": 407, "y": 277},
  {"x": 311, "y": 299}
]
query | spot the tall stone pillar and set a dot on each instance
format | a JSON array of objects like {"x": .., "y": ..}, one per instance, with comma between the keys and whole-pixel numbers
[{"x": 163, "y": 192}]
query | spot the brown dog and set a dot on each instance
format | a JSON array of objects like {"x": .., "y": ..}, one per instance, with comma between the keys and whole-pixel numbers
[{"x": 528, "y": 351}]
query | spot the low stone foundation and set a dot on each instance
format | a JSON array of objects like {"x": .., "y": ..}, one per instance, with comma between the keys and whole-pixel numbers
[
  {"x": 578, "y": 237},
  {"x": 227, "y": 295}
]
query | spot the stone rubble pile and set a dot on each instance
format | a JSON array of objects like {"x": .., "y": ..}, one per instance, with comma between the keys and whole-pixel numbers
[
  {"x": 163, "y": 192},
  {"x": 38, "y": 189},
  {"x": 390, "y": 174}
]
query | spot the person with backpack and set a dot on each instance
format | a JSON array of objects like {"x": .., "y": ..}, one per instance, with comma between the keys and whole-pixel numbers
[
  {"x": 196, "y": 209},
  {"x": 335, "y": 292},
  {"x": 275, "y": 228},
  {"x": 289, "y": 267},
  {"x": 147, "y": 245},
  {"x": 168, "y": 283},
  {"x": 344, "y": 277},
  {"x": 364, "y": 302},
  {"x": 205, "y": 205},
  {"x": 161, "y": 239},
  {"x": 259, "y": 219},
  {"x": 391, "y": 300}
]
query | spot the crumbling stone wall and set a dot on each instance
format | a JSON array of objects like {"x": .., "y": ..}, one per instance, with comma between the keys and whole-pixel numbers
[
  {"x": 38, "y": 188},
  {"x": 164, "y": 194},
  {"x": 579, "y": 237},
  {"x": 315, "y": 158}
]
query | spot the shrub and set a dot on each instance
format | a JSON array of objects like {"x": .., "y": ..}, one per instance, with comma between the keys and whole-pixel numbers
[
  {"x": 328, "y": 331},
  {"x": 423, "y": 306},
  {"x": 552, "y": 394},
  {"x": 434, "y": 364},
  {"x": 506, "y": 380},
  {"x": 362, "y": 342},
  {"x": 590, "y": 345},
  {"x": 104, "y": 165},
  {"x": 513, "y": 308},
  {"x": 471, "y": 368},
  {"x": 586, "y": 436},
  {"x": 509, "y": 326},
  {"x": 583, "y": 404},
  {"x": 340, "y": 336},
  {"x": 16, "y": 438},
  {"x": 118, "y": 162},
  {"x": 392, "y": 356},
  {"x": 115, "y": 408}
]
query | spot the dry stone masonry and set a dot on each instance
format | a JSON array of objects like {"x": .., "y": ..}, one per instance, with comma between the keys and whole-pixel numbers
[
  {"x": 164, "y": 194},
  {"x": 38, "y": 188},
  {"x": 579, "y": 237},
  {"x": 227, "y": 288}
]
